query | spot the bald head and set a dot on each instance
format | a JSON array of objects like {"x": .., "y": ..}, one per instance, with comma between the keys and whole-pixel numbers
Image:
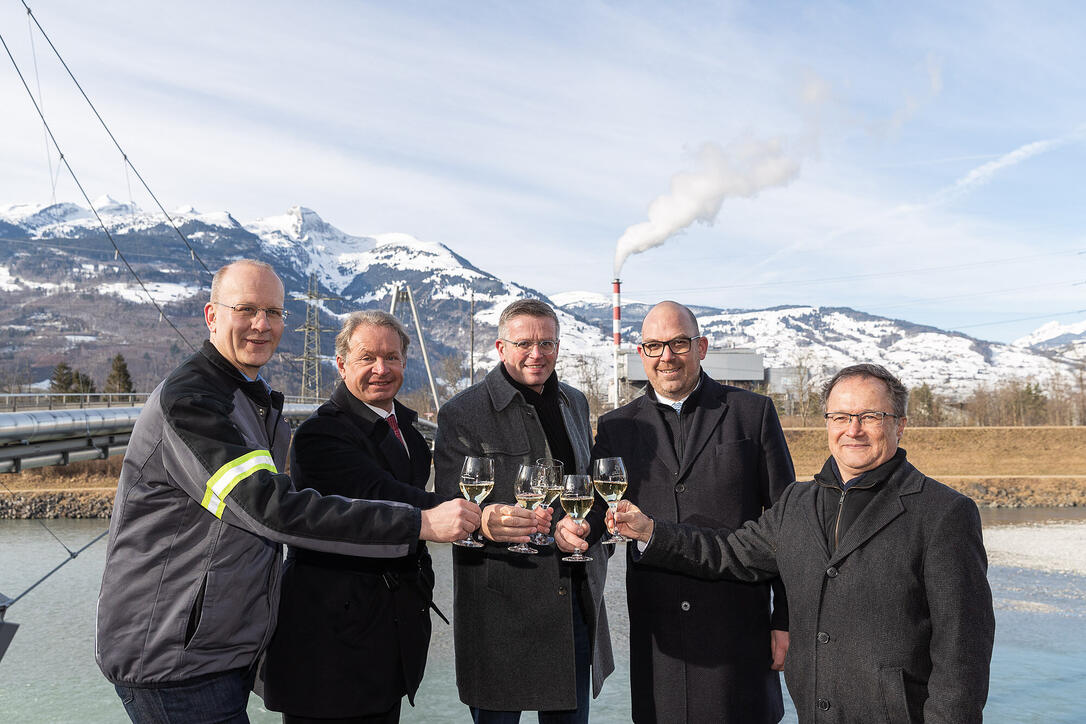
[
  {"x": 669, "y": 314},
  {"x": 672, "y": 375}
]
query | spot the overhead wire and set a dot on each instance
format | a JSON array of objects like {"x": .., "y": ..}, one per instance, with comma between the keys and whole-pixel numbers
[
  {"x": 117, "y": 250},
  {"x": 194, "y": 256},
  {"x": 124, "y": 155},
  {"x": 45, "y": 136}
]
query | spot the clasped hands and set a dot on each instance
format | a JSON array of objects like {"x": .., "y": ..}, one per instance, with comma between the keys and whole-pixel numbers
[{"x": 507, "y": 523}]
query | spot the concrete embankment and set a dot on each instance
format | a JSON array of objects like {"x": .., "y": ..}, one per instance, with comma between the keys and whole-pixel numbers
[{"x": 1006, "y": 467}]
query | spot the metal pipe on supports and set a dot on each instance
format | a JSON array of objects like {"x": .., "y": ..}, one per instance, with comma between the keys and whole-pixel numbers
[{"x": 58, "y": 437}]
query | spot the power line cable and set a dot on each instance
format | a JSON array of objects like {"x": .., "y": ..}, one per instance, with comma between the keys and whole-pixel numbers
[
  {"x": 45, "y": 136},
  {"x": 71, "y": 554},
  {"x": 117, "y": 250},
  {"x": 124, "y": 155},
  {"x": 872, "y": 275}
]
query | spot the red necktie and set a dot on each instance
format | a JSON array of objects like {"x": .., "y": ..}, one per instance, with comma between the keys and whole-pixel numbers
[{"x": 391, "y": 420}]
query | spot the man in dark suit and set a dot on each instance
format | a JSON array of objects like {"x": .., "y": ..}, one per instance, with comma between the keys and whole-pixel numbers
[
  {"x": 702, "y": 453},
  {"x": 353, "y": 632},
  {"x": 886, "y": 572}
]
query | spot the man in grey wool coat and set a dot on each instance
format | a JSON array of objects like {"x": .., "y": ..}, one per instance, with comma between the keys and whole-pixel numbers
[
  {"x": 530, "y": 631},
  {"x": 891, "y": 612}
]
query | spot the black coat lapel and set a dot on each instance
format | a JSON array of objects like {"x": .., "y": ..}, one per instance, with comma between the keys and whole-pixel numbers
[
  {"x": 810, "y": 514},
  {"x": 709, "y": 410},
  {"x": 881, "y": 511},
  {"x": 653, "y": 435},
  {"x": 374, "y": 428}
]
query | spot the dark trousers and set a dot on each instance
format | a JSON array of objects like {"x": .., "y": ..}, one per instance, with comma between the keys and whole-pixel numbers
[
  {"x": 582, "y": 651},
  {"x": 217, "y": 699},
  {"x": 392, "y": 716}
]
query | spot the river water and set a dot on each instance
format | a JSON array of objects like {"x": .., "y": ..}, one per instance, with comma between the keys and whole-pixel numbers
[{"x": 1037, "y": 571}]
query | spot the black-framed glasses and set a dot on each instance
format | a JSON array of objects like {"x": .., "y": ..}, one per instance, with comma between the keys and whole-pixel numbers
[
  {"x": 679, "y": 345},
  {"x": 868, "y": 417},
  {"x": 546, "y": 346},
  {"x": 249, "y": 311}
]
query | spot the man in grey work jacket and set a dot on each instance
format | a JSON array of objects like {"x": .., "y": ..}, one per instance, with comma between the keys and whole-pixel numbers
[
  {"x": 891, "y": 612},
  {"x": 191, "y": 581},
  {"x": 527, "y": 629}
]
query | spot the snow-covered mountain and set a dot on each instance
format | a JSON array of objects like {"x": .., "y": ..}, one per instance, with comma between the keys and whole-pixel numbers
[
  {"x": 1067, "y": 341},
  {"x": 68, "y": 296},
  {"x": 825, "y": 339}
]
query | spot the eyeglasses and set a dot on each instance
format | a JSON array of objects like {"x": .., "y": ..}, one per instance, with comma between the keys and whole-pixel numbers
[
  {"x": 844, "y": 419},
  {"x": 248, "y": 311},
  {"x": 546, "y": 346},
  {"x": 679, "y": 345}
]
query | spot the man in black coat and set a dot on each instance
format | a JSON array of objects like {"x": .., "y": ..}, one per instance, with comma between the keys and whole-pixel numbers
[
  {"x": 702, "y": 453},
  {"x": 886, "y": 571},
  {"x": 353, "y": 632}
]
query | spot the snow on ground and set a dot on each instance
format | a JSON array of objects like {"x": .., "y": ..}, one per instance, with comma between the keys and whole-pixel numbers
[
  {"x": 8, "y": 283},
  {"x": 1051, "y": 547},
  {"x": 163, "y": 292}
]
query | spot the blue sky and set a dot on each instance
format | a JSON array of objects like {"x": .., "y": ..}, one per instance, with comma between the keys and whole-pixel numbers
[{"x": 935, "y": 151}]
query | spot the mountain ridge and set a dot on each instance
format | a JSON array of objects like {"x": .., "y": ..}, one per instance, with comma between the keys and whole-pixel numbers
[{"x": 42, "y": 293}]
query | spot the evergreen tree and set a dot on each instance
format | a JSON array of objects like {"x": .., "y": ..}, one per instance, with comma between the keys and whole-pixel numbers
[
  {"x": 82, "y": 383},
  {"x": 61, "y": 381},
  {"x": 119, "y": 380}
]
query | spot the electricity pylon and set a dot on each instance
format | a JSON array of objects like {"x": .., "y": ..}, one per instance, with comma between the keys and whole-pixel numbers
[{"x": 311, "y": 346}]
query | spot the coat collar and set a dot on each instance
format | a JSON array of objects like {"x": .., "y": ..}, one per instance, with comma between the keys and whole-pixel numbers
[
  {"x": 374, "y": 426},
  {"x": 502, "y": 393},
  {"x": 257, "y": 390},
  {"x": 888, "y": 504},
  {"x": 705, "y": 415}
]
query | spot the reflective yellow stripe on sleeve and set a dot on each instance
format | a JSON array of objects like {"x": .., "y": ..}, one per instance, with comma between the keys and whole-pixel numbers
[{"x": 225, "y": 478}]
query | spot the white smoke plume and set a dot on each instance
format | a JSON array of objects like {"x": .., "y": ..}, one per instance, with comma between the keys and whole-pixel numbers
[{"x": 741, "y": 170}]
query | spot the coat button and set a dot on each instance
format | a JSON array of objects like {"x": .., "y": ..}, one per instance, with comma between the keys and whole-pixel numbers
[
  {"x": 561, "y": 590},
  {"x": 680, "y": 488},
  {"x": 831, "y": 572},
  {"x": 823, "y": 637},
  {"x": 824, "y": 704},
  {"x": 685, "y": 605}
]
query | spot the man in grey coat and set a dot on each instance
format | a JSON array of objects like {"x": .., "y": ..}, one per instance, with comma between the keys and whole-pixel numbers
[
  {"x": 891, "y": 612},
  {"x": 530, "y": 631}
]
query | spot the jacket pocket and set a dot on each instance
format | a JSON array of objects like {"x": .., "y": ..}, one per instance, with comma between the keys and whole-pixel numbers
[
  {"x": 892, "y": 684},
  {"x": 196, "y": 613},
  {"x": 515, "y": 445}
]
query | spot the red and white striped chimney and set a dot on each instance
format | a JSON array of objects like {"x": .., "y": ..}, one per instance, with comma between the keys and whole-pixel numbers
[{"x": 616, "y": 327}]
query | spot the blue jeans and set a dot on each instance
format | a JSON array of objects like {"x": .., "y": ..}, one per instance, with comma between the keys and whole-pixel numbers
[
  {"x": 219, "y": 699},
  {"x": 582, "y": 651}
]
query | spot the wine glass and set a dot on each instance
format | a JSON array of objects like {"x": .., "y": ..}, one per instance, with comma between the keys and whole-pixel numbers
[
  {"x": 476, "y": 482},
  {"x": 528, "y": 490},
  {"x": 550, "y": 472},
  {"x": 609, "y": 477},
  {"x": 577, "y": 499}
]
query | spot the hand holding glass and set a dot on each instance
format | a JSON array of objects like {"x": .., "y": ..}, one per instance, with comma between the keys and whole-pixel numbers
[
  {"x": 476, "y": 482},
  {"x": 609, "y": 477},
  {"x": 577, "y": 500},
  {"x": 550, "y": 472},
  {"x": 528, "y": 490}
]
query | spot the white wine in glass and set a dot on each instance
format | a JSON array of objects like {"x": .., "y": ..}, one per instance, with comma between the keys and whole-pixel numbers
[
  {"x": 476, "y": 482},
  {"x": 609, "y": 477},
  {"x": 550, "y": 471},
  {"x": 577, "y": 500},
  {"x": 528, "y": 491}
]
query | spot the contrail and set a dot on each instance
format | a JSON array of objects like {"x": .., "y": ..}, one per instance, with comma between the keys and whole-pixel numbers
[
  {"x": 963, "y": 185},
  {"x": 741, "y": 170}
]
